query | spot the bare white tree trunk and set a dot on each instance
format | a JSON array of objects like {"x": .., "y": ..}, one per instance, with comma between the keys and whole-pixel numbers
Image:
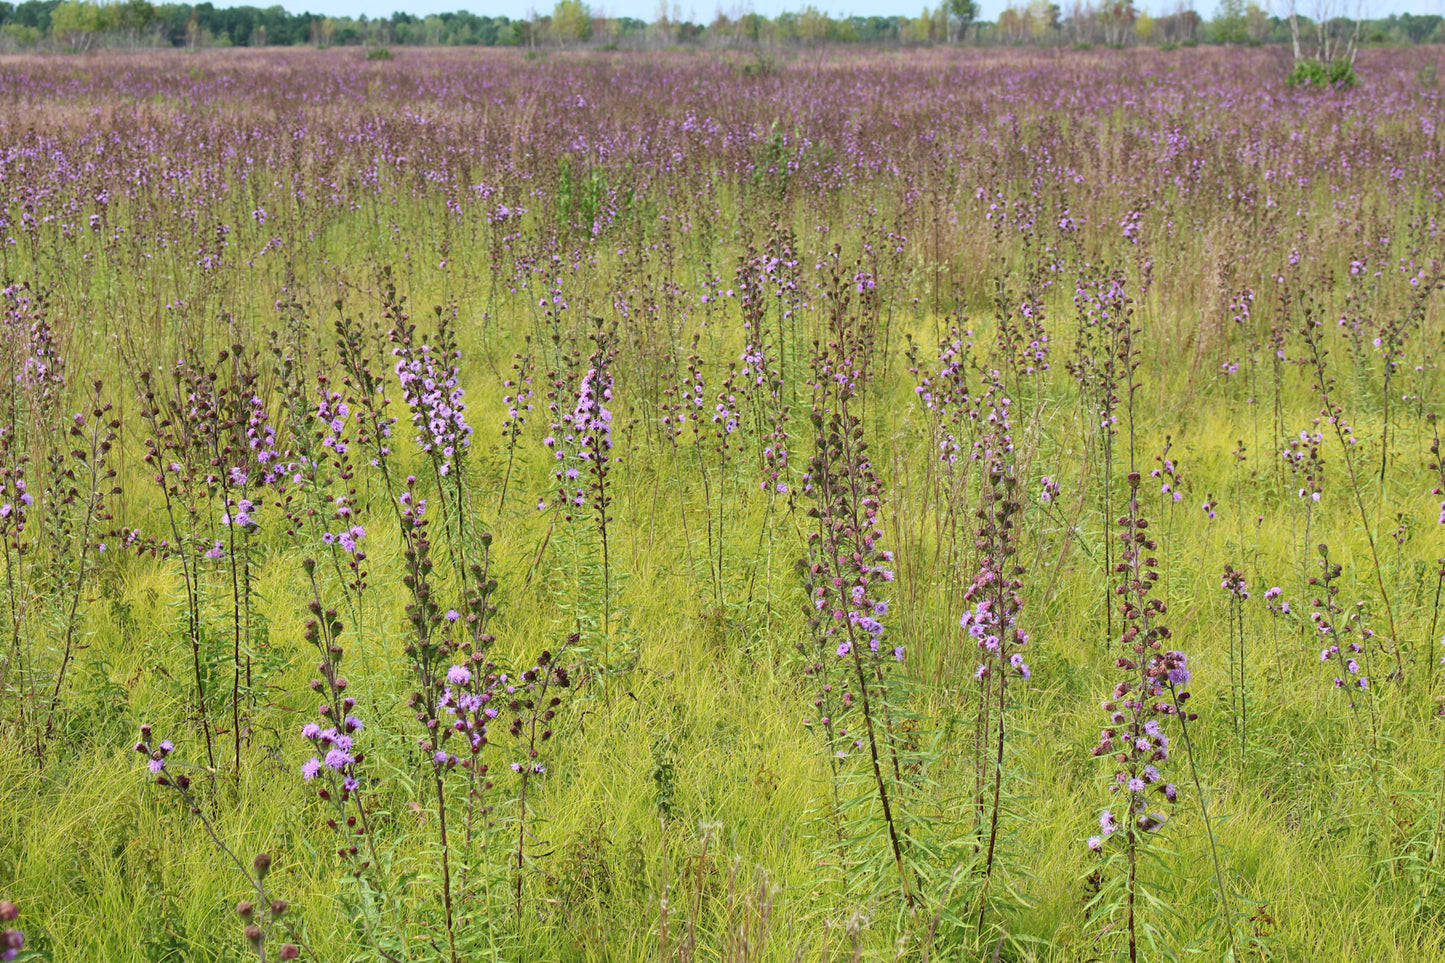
[{"x": 1294, "y": 29}]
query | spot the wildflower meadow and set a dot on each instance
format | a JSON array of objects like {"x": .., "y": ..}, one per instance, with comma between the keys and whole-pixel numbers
[{"x": 928, "y": 504}]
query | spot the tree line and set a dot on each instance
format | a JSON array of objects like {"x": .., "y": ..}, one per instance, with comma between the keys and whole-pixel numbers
[{"x": 79, "y": 25}]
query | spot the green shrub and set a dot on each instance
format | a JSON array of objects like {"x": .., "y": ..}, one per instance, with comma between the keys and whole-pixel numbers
[{"x": 1339, "y": 74}]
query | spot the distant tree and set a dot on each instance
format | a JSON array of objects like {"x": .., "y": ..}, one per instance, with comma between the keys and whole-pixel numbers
[
  {"x": 77, "y": 23},
  {"x": 1180, "y": 26},
  {"x": 33, "y": 13},
  {"x": 813, "y": 26},
  {"x": 920, "y": 28},
  {"x": 1011, "y": 25},
  {"x": 1336, "y": 36},
  {"x": 1116, "y": 18},
  {"x": 571, "y": 21},
  {"x": 1229, "y": 24},
  {"x": 1144, "y": 28},
  {"x": 135, "y": 16},
  {"x": 1030, "y": 21},
  {"x": 961, "y": 13},
  {"x": 1256, "y": 23}
]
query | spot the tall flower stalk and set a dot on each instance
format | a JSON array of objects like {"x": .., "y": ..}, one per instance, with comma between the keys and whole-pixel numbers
[
  {"x": 992, "y": 621},
  {"x": 850, "y": 568},
  {"x": 1135, "y": 739}
]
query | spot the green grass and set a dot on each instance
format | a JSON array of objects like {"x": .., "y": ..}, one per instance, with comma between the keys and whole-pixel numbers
[{"x": 1322, "y": 857}]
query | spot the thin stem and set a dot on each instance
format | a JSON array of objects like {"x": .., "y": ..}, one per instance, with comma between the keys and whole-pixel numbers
[{"x": 1208, "y": 825}]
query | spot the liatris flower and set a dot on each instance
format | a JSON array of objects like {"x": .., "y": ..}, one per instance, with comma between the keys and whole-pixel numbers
[
  {"x": 762, "y": 375},
  {"x": 1277, "y": 607},
  {"x": 1304, "y": 461},
  {"x": 1233, "y": 582},
  {"x": 848, "y": 565},
  {"x": 260, "y": 436},
  {"x": 1034, "y": 344},
  {"x": 822, "y": 661},
  {"x": 12, "y": 940},
  {"x": 945, "y": 395},
  {"x": 431, "y": 387},
  {"x": 592, "y": 419},
  {"x": 156, "y": 758},
  {"x": 42, "y": 370},
  {"x": 1135, "y": 738},
  {"x": 1346, "y": 637},
  {"x": 15, "y": 499},
  {"x": 1048, "y": 490},
  {"x": 367, "y": 389},
  {"x": 1169, "y": 473},
  {"x": 992, "y": 622},
  {"x": 333, "y": 737},
  {"x": 332, "y": 414},
  {"x": 1021, "y": 341},
  {"x": 518, "y": 402},
  {"x": 467, "y": 701},
  {"x": 1333, "y": 412}
]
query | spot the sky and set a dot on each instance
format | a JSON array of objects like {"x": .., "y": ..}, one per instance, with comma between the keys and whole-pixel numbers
[{"x": 705, "y": 10}]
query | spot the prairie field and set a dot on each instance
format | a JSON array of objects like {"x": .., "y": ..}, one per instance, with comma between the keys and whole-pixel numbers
[{"x": 916, "y": 505}]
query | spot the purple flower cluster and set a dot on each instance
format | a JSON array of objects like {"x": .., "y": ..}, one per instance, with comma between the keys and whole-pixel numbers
[
  {"x": 431, "y": 388},
  {"x": 1307, "y": 466},
  {"x": 238, "y": 512},
  {"x": 332, "y": 412},
  {"x": 12, "y": 940},
  {"x": 1139, "y": 704},
  {"x": 1168, "y": 473},
  {"x": 467, "y": 701},
  {"x": 261, "y": 443},
  {"x": 1233, "y": 582},
  {"x": 992, "y": 621},
  {"x": 156, "y": 758},
  {"x": 334, "y": 746},
  {"x": 1036, "y": 347},
  {"x": 518, "y": 399},
  {"x": 336, "y": 757},
  {"x": 582, "y": 438},
  {"x": 15, "y": 500},
  {"x": 1138, "y": 742},
  {"x": 945, "y": 395},
  {"x": 1345, "y": 638},
  {"x": 1048, "y": 490}
]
